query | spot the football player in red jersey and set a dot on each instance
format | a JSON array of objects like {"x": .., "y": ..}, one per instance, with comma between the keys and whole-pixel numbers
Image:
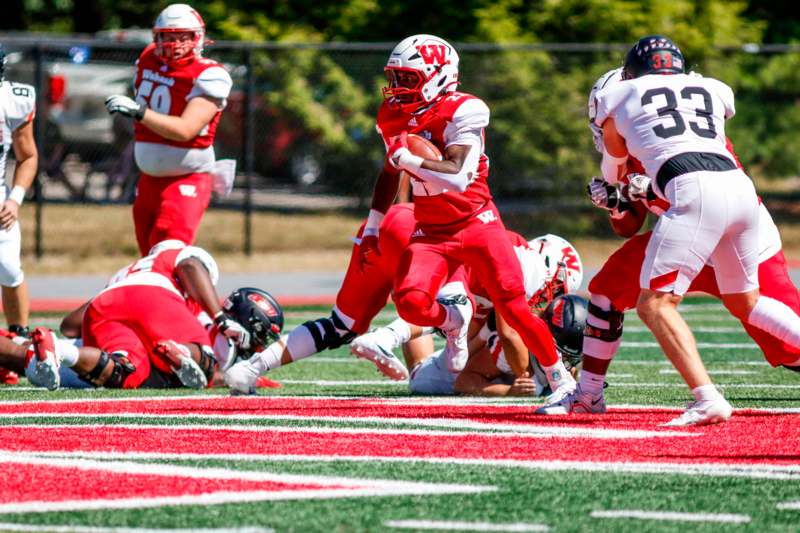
[
  {"x": 614, "y": 288},
  {"x": 457, "y": 222},
  {"x": 179, "y": 99}
]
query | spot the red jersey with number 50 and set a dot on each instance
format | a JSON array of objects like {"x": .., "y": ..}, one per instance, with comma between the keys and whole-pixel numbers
[
  {"x": 457, "y": 118},
  {"x": 167, "y": 91}
]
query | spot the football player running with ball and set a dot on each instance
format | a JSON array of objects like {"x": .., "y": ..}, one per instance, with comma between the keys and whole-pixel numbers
[
  {"x": 456, "y": 220},
  {"x": 674, "y": 124},
  {"x": 179, "y": 99}
]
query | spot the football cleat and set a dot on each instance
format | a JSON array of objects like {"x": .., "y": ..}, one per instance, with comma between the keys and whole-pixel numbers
[
  {"x": 7, "y": 377},
  {"x": 577, "y": 402},
  {"x": 459, "y": 314},
  {"x": 370, "y": 347},
  {"x": 183, "y": 366},
  {"x": 242, "y": 378},
  {"x": 704, "y": 413},
  {"x": 45, "y": 370}
]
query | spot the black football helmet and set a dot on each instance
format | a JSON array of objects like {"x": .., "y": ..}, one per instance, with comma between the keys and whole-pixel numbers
[
  {"x": 566, "y": 317},
  {"x": 259, "y": 312},
  {"x": 654, "y": 54}
]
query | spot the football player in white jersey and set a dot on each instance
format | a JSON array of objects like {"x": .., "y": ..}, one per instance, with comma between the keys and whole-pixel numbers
[
  {"x": 17, "y": 109},
  {"x": 675, "y": 125}
]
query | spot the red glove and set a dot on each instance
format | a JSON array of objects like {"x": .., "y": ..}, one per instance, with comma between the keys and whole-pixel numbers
[
  {"x": 398, "y": 143},
  {"x": 368, "y": 252}
]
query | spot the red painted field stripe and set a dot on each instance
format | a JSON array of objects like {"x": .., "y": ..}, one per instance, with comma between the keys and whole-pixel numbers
[
  {"x": 21, "y": 482},
  {"x": 760, "y": 439}
]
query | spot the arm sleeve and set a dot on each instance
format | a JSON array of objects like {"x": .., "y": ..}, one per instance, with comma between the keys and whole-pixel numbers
[
  {"x": 22, "y": 107},
  {"x": 214, "y": 82},
  {"x": 465, "y": 129}
]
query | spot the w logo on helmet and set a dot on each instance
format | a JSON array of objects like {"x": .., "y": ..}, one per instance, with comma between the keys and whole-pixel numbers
[
  {"x": 433, "y": 54},
  {"x": 570, "y": 259}
]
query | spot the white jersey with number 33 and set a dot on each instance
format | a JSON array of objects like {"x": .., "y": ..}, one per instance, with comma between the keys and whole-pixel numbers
[{"x": 661, "y": 116}]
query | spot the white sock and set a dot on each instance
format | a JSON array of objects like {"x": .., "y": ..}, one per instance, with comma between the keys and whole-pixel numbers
[
  {"x": 777, "y": 319},
  {"x": 557, "y": 374},
  {"x": 400, "y": 330},
  {"x": 67, "y": 352},
  {"x": 300, "y": 342},
  {"x": 270, "y": 357},
  {"x": 706, "y": 393},
  {"x": 592, "y": 383}
]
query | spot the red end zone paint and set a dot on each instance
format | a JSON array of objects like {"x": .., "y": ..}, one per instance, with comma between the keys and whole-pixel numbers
[{"x": 750, "y": 437}]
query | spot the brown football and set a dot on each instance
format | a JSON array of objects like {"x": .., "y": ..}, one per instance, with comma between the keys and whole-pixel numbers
[
  {"x": 631, "y": 222},
  {"x": 422, "y": 147}
]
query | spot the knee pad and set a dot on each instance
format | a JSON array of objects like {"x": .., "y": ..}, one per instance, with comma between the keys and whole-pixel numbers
[
  {"x": 329, "y": 333},
  {"x": 416, "y": 307},
  {"x": 603, "y": 332},
  {"x": 122, "y": 369}
]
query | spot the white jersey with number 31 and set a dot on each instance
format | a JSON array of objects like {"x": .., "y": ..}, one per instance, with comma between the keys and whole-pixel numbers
[{"x": 661, "y": 116}]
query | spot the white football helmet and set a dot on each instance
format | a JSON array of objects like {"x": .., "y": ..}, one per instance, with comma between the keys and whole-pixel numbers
[
  {"x": 564, "y": 267},
  {"x": 534, "y": 271},
  {"x": 420, "y": 69},
  {"x": 177, "y": 18},
  {"x": 610, "y": 77}
]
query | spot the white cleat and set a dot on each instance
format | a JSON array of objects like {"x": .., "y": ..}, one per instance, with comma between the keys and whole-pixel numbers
[
  {"x": 704, "y": 413},
  {"x": 577, "y": 402},
  {"x": 45, "y": 371},
  {"x": 185, "y": 368},
  {"x": 370, "y": 347},
  {"x": 459, "y": 314},
  {"x": 241, "y": 378}
]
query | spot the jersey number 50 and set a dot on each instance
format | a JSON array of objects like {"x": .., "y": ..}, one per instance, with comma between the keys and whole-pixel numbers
[
  {"x": 156, "y": 97},
  {"x": 671, "y": 110}
]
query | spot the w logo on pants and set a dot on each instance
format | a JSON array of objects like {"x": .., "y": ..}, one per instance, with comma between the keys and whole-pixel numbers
[
  {"x": 487, "y": 216},
  {"x": 187, "y": 190}
]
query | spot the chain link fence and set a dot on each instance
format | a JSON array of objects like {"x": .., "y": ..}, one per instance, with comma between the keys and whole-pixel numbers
[{"x": 300, "y": 119}]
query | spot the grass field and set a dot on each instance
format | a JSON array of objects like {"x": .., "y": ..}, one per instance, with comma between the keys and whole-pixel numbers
[{"x": 339, "y": 448}]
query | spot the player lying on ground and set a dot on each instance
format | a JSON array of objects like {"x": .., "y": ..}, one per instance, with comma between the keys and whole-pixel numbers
[
  {"x": 613, "y": 292},
  {"x": 143, "y": 330}
]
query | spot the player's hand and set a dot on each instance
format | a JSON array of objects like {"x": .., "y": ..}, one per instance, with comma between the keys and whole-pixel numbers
[
  {"x": 119, "y": 103},
  {"x": 640, "y": 187},
  {"x": 597, "y": 136},
  {"x": 397, "y": 150},
  {"x": 9, "y": 213},
  {"x": 233, "y": 330},
  {"x": 523, "y": 386},
  {"x": 368, "y": 251},
  {"x": 603, "y": 194}
]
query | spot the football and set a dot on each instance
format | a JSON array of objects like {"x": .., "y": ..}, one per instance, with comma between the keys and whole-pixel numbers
[
  {"x": 422, "y": 147},
  {"x": 631, "y": 222}
]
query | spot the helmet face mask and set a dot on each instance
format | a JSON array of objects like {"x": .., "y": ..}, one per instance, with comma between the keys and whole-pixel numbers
[
  {"x": 420, "y": 70},
  {"x": 179, "y": 35},
  {"x": 259, "y": 312}
]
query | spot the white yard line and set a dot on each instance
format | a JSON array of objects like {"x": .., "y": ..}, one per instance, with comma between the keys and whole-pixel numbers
[
  {"x": 663, "y": 362},
  {"x": 721, "y": 385},
  {"x": 673, "y": 516},
  {"x": 698, "y": 329},
  {"x": 789, "y": 506},
  {"x": 715, "y": 345},
  {"x": 8, "y": 526},
  {"x": 672, "y": 371},
  {"x": 753, "y": 470},
  {"x": 448, "y": 525},
  {"x": 345, "y": 383}
]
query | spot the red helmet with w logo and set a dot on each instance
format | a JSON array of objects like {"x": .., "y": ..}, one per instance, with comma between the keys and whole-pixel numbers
[{"x": 421, "y": 69}]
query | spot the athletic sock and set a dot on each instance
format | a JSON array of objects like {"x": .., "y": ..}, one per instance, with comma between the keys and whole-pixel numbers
[
  {"x": 557, "y": 374},
  {"x": 270, "y": 357},
  {"x": 777, "y": 319},
  {"x": 706, "y": 393},
  {"x": 67, "y": 352},
  {"x": 399, "y": 332},
  {"x": 591, "y": 383}
]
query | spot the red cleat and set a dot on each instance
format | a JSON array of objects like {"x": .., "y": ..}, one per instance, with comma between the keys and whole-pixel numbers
[{"x": 7, "y": 377}]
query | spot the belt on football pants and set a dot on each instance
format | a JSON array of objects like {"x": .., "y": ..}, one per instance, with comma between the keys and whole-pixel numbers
[{"x": 692, "y": 162}]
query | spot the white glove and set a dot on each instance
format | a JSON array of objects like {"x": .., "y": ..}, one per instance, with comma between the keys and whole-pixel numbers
[
  {"x": 640, "y": 187},
  {"x": 597, "y": 136},
  {"x": 119, "y": 103},
  {"x": 233, "y": 330}
]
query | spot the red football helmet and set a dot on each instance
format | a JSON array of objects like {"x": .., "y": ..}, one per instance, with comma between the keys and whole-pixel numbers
[
  {"x": 168, "y": 35},
  {"x": 420, "y": 70}
]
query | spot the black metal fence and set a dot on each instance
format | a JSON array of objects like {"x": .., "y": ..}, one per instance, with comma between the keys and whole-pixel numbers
[{"x": 301, "y": 118}]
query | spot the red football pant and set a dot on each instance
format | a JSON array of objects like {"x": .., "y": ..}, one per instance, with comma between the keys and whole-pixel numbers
[
  {"x": 133, "y": 318},
  {"x": 618, "y": 280},
  {"x": 481, "y": 244},
  {"x": 364, "y": 294},
  {"x": 169, "y": 208}
]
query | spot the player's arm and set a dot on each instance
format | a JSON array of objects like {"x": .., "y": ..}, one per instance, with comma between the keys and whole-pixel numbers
[
  {"x": 615, "y": 153},
  {"x": 195, "y": 280},
  {"x": 197, "y": 115},
  {"x": 481, "y": 371},
  {"x": 513, "y": 346},
  {"x": 71, "y": 324},
  {"x": 27, "y": 157},
  {"x": 631, "y": 221}
]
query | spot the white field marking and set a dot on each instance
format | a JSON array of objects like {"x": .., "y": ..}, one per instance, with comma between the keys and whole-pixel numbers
[
  {"x": 673, "y": 516},
  {"x": 647, "y": 362},
  {"x": 615, "y": 375},
  {"x": 699, "y": 329},
  {"x": 683, "y": 308},
  {"x": 531, "y": 431},
  {"x": 672, "y": 371},
  {"x": 492, "y": 428},
  {"x": 340, "y": 487},
  {"x": 8, "y": 526},
  {"x": 716, "y": 345},
  {"x": 753, "y": 470},
  {"x": 789, "y": 506},
  {"x": 631, "y": 317},
  {"x": 449, "y": 525}
]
